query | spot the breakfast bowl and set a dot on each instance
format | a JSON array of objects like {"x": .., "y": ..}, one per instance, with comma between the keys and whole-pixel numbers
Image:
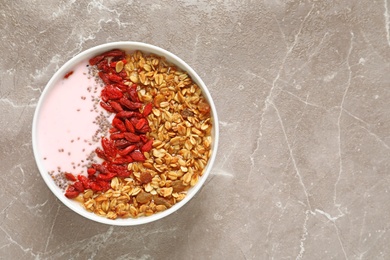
[{"x": 125, "y": 133}]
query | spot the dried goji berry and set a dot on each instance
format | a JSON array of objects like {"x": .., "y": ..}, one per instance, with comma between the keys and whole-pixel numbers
[
  {"x": 108, "y": 147},
  {"x": 122, "y": 160},
  {"x": 101, "y": 154},
  {"x": 144, "y": 129},
  {"x": 104, "y": 77},
  {"x": 91, "y": 171},
  {"x": 129, "y": 126},
  {"x": 132, "y": 91},
  {"x": 147, "y": 109},
  {"x": 144, "y": 138},
  {"x": 70, "y": 176},
  {"x": 78, "y": 186},
  {"x": 116, "y": 106},
  {"x": 99, "y": 167},
  {"x": 96, "y": 60},
  {"x": 137, "y": 156},
  {"x": 119, "y": 169},
  {"x": 127, "y": 150},
  {"x": 110, "y": 92},
  {"x": 117, "y": 123},
  {"x": 124, "y": 174},
  {"x": 114, "y": 78},
  {"x": 71, "y": 192},
  {"x": 121, "y": 143},
  {"x": 105, "y": 177},
  {"x": 147, "y": 146},
  {"x": 103, "y": 66},
  {"x": 113, "y": 130},
  {"x": 115, "y": 168},
  {"x": 107, "y": 107},
  {"x": 141, "y": 123},
  {"x": 68, "y": 74},
  {"x": 130, "y": 104},
  {"x": 132, "y": 137},
  {"x": 104, "y": 185},
  {"x": 84, "y": 180},
  {"x": 95, "y": 187},
  {"x": 134, "y": 120},
  {"x": 129, "y": 114},
  {"x": 116, "y": 136},
  {"x": 123, "y": 74},
  {"x": 114, "y": 53}
]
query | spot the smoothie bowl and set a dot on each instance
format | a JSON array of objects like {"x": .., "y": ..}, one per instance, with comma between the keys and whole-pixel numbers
[{"x": 125, "y": 133}]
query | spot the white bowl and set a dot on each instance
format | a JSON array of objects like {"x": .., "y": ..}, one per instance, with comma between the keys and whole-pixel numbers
[{"x": 85, "y": 55}]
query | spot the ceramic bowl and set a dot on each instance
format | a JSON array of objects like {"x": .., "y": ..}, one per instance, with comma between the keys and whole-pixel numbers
[{"x": 41, "y": 122}]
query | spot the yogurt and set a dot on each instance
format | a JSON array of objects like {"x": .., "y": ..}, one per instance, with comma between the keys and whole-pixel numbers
[{"x": 71, "y": 123}]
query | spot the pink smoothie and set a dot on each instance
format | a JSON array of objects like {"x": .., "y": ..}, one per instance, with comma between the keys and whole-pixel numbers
[{"x": 69, "y": 125}]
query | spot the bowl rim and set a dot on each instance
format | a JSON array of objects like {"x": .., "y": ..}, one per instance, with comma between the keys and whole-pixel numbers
[{"x": 128, "y": 46}]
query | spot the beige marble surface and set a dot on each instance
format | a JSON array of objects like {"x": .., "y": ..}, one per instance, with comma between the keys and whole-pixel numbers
[{"x": 302, "y": 90}]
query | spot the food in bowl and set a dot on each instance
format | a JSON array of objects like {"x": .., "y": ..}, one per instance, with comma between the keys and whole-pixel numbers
[{"x": 152, "y": 141}]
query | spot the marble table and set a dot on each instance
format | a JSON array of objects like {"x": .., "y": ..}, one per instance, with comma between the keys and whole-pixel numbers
[{"x": 302, "y": 90}]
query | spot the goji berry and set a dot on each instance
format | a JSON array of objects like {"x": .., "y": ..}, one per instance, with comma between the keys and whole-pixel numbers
[
  {"x": 116, "y": 136},
  {"x": 113, "y": 130},
  {"x": 129, "y": 126},
  {"x": 127, "y": 150},
  {"x": 104, "y": 77},
  {"x": 116, "y": 106},
  {"x": 129, "y": 114},
  {"x": 124, "y": 174},
  {"x": 147, "y": 109},
  {"x": 95, "y": 187},
  {"x": 70, "y": 176},
  {"x": 141, "y": 123},
  {"x": 105, "y": 177},
  {"x": 130, "y": 104},
  {"x": 91, "y": 171},
  {"x": 104, "y": 185},
  {"x": 114, "y": 53},
  {"x": 132, "y": 137},
  {"x": 99, "y": 167},
  {"x": 144, "y": 129},
  {"x": 71, "y": 193},
  {"x": 78, "y": 186},
  {"x": 84, "y": 180},
  {"x": 114, "y": 78},
  {"x": 108, "y": 147},
  {"x": 132, "y": 91},
  {"x": 68, "y": 74},
  {"x": 123, "y": 74},
  {"x": 144, "y": 138},
  {"x": 117, "y": 123},
  {"x": 101, "y": 154},
  {"x": 121, "y": 143},
  {"x": 147, "y": 146},
  {"x": 110, "y": 92},
  {"x": 116, "y": 168},
  {"x": 103, "y": 66},
  {"x": 96, "y": 60},
  {"x": 122, "y": 160},
  {"x": 107, "y": 107},
  {"x": 134, "y": 120},
  {"x": 137, "y": 156}
]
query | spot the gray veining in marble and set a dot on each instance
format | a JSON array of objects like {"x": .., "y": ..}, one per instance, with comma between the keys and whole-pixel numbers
[{"x": 302, "y": 90}]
